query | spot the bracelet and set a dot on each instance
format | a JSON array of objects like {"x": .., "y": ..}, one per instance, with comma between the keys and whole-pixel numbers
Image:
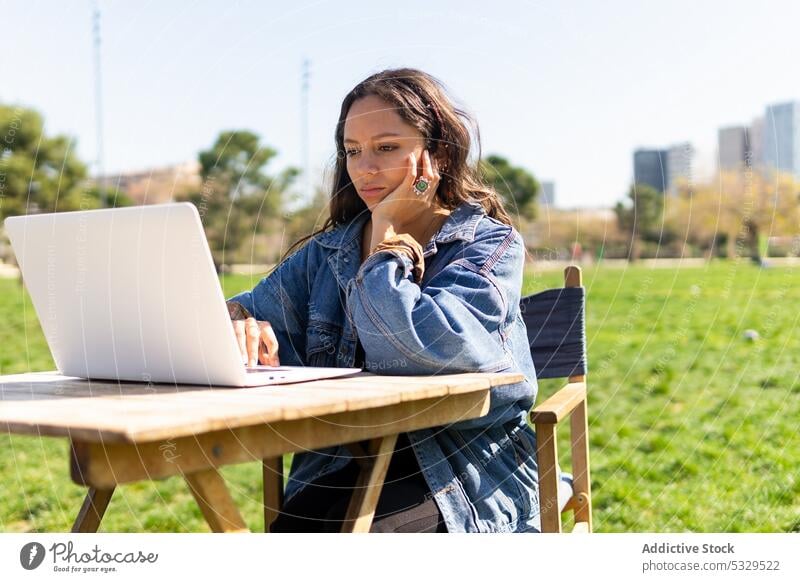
[{"x": 408, "y": 245}]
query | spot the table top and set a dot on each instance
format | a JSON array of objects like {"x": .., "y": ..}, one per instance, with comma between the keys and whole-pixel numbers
[{"x": 49, "y": 404}]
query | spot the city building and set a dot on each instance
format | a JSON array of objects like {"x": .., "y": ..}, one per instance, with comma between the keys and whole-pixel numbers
[
  {"x": 650, "y": 167},
  {"x": 664, "y": 169},
  {"x": 547, "y": 194},
  {"x": 734, "y": 147},
  {"x": 756, "y": 142},
  {"x": 781, "y": 137},
  {"x": 679, "y": 167}
]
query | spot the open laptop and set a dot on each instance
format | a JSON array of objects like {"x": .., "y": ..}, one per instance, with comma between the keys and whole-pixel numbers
[{"x": 132, "y": 294}]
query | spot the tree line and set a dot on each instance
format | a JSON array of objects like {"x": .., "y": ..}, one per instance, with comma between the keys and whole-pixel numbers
[{"x": 245, "y": 204}]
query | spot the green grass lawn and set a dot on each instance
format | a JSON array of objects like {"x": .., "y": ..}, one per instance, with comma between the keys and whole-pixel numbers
[{"x": 693, "y": 427}]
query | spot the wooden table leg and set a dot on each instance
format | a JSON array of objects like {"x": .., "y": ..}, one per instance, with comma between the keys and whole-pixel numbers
[
  {"x": 215, "y": 501},
  {"x": 92, "y": 511},
  {"x": 272, "y": 471},
  {"x": 369, "y": 484}
]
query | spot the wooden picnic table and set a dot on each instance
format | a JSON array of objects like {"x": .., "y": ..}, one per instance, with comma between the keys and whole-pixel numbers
[{"x": 123, "y": 432}]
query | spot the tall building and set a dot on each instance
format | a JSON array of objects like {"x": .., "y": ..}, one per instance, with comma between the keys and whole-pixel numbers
[
  {"x": 547, "y": 195},
  {"x": 664, "y": 169},
  {"x": 756, "y": 142},
  {"x": 782, "y": 137},
  {"x": 679, "y": 166},
  {"x": 650, "y": 167},
  {"x": 734, "y": 147}
]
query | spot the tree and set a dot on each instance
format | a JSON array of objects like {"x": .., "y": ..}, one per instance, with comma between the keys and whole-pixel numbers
[
  {"x": 736, "y": 210},
  {"x": 39, "y": 173},
  {"x": 518, "y": 187},
  {"x": 554, "y": 236},
  {"x": 307, "y": 219},
  {"x": 238, "y": 197},
  {"x": 641, "y": 221}
]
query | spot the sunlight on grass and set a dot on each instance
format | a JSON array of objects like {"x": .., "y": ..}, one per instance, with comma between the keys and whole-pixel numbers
[{"x": 692, "y": 425}]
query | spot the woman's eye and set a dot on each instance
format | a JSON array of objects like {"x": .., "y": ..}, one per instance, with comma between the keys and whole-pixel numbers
[{"x": 383, "y": 148}]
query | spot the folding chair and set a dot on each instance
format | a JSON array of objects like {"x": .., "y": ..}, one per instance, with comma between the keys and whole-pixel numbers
[{"x": 556, "y": 324}]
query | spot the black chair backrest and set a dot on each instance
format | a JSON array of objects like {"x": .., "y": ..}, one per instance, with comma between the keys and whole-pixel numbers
[{"x": 556, "y": 324}]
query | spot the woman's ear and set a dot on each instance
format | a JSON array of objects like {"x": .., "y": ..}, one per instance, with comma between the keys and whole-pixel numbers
[
  {"x": 441, "y": 160},
  {"x": 438, "y": 153}
]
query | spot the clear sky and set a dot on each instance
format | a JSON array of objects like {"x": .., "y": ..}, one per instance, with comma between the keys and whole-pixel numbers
[{"x": 565, "y": 89}]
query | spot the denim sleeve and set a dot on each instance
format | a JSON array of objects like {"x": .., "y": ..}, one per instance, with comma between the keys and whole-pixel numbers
[
  {"x": 455, "y": 324},
  {"x": 281, "y": 298}
]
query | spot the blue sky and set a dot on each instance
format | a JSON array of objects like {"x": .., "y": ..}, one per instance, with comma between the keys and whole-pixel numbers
[{"x": 565, "y": 89}]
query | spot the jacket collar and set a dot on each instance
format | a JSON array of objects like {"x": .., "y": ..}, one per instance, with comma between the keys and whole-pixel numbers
[{"x": 345, "y": 239}]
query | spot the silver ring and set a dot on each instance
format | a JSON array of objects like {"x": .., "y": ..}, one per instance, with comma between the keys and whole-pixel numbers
[{"x": 420, "y": 186}]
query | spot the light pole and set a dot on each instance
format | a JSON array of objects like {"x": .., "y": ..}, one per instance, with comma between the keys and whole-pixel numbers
[
  {"x": 304, "y": 113},
  {"x": 98, "y": 101}
]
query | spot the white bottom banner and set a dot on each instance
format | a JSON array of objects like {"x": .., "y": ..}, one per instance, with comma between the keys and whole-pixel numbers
[{"x": 331, "y": 557}]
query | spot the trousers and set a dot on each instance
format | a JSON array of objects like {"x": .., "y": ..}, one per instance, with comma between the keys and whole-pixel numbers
[{"x": 405, "y": 504}]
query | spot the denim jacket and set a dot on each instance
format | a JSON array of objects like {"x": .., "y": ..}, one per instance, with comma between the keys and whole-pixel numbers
[{"x": 464, "y": 316}]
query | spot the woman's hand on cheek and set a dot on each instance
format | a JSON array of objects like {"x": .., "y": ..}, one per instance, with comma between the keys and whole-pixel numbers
[{"x": 403, "y": 206}]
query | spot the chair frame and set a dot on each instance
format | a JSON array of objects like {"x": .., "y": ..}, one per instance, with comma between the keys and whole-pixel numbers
[{"x": 569, "y": 401}]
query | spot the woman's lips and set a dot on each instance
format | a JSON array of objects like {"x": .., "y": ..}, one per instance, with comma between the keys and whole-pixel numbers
[{"x": 371, "y": 191}]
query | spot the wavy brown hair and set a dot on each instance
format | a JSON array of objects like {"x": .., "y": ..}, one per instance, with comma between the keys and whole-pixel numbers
[{"x": 422, "y": 101}]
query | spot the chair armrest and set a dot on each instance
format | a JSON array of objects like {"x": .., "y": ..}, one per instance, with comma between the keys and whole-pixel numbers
[{"x": 560, "y": 404}]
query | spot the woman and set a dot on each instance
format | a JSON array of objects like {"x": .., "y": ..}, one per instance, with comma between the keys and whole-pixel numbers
[{"x": 418, "y": 271}]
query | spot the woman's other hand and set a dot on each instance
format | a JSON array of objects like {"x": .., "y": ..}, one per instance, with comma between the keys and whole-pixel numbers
[
  {"x": 257, "y": 342},
  {"x": 256, "y": 339}
]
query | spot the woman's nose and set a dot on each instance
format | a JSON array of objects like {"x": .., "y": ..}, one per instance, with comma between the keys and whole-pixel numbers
[{"x": 366, "y": 164}]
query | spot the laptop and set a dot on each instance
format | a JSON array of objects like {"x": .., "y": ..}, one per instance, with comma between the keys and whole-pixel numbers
[{"x": 132, "y": 294}]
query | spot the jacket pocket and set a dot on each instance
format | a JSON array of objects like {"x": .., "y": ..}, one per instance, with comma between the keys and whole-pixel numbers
[{"x": 322, "y": 343}]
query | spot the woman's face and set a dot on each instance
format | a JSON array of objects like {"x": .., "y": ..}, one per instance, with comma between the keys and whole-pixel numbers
[{"x": 377, "y": 142}]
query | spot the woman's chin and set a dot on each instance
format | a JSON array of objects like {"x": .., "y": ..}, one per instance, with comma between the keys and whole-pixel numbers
[{"x": 372, "y": 203}]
